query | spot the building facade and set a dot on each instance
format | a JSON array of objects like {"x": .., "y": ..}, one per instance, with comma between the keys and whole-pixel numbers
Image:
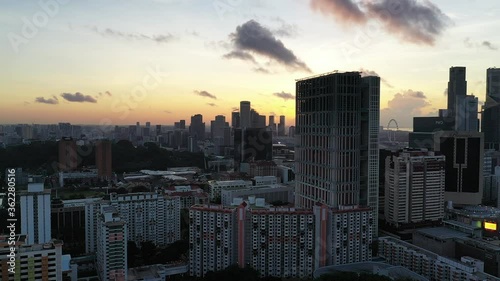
[
  {"x": 491, "y": 110},
  {"x": 35, "y": 212},
  {"x": 464, "y": 152},
  {"x": 36, "y": 262},
  {"x": 414, "y": 187},
  {"x": 111, "y": 255},
  {"x": 149, "y": 217}
]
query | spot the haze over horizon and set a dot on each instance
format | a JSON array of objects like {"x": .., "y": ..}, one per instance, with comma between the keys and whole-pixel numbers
[{"x": 164, "y": 60}]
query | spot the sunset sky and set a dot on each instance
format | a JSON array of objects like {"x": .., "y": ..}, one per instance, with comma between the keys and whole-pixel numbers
[{"x": 121, "y": 62}]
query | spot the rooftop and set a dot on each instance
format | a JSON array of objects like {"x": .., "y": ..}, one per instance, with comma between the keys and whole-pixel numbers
[{"x": 441, "y": 233}]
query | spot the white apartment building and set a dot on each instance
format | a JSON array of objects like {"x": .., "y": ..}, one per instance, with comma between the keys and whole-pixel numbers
[
  {"x": 414, "y": 188},
  {"x": 111, "y": 255},
  {"x": 277, "y": 241},
  {"x": 212, "y": 238},
  {"x": 33, "y": 262},
  {"x": 35, "y": 213},
  {"x": 429, "y": 264},
  {"x": 215, "y": 187},
  {"x": 149, "y": 217},
  {"x": 343, "y": 235}
]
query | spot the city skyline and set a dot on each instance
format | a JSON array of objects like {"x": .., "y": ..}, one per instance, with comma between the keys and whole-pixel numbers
[{"x": 90, "y": 58}]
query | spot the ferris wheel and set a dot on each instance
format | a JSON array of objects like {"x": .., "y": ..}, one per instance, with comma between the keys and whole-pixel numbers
[{"x": 391, "y": 134}]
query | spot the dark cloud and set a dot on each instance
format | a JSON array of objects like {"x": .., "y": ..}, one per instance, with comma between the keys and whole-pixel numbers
[
  {"x": 211, "y": 104},
  {"x": 205, "y": 94},
  {"x": 412, "y": 21},
  {"x": 285, "y": 96},
  {"x": 167, "y": 111},
  {"x": 345, "y": 11},
  {"x": 242, "y": 55},
  {"x": 403, "y": 106},
  {"x": 108, "y": 32},
  {"x": 253, "y": 38},
  {"x": 419, "y": 22},
  {"x": 261, "y": 70},
  {"x": 366, "y": 72},
  {"x": 78, "y": 97},
  {"x": 489, "y": 45},
  {"x": 52, "y": 100}
]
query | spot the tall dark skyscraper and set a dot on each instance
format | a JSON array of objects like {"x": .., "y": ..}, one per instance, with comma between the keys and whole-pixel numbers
[
  {"x": 235, "y": 119},
  {"x": 252, "y": 144},
  {"x": 245, "y": 118},
  {"x": 68, "y": 156},
  {"x": 337, "y": 126},
  {"x": 281, "y": 126},
  {"x": 464, "y": 165},
  {"x": 103, "y": 159},
  {"x": 491, "y": 112},
  {"x": 457, "y": 87},
  {"x": 197, "y": 127}
]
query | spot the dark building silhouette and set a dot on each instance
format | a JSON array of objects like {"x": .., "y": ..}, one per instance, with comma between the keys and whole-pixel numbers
[
  {"x": 197, "y": 127},
  {"x": 103, "y": 159},
  {"x": 252, "y": 144},
  {"x": 464, "y": 165},
  {"x": 424, "y": 129},
  {"x": 457, "y": 88},
  {"x": 68, "y": 156},
  {"x": 491, "y": 111}
]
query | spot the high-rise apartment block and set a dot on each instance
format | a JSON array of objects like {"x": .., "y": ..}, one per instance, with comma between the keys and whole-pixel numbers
[
  {"x": 283, "y": 242},
  {"x": 35, "y": 212},
  {"x": 32, "y": 262},
  {"x": 149, "y": 217},
  {"x": 197, "y": 127},
  {"x": 111, "y": 254},
  {"x": 414, "y": 187}
]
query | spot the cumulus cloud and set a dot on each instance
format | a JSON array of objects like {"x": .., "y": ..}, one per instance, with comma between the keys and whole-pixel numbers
[
  {"x": 255, "y": 39},
  {"x": 205, "y": 94},
  {"x": 366, "y": 72},
  {"x": 108, "y": 32},
  {"x": 78, "y": 97},
  {"x": 284, "y": 96},
  {"x": 404, "y": 106},
  {"x": 418, "y": 22},
  {"x": 52, "y": 100}
]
